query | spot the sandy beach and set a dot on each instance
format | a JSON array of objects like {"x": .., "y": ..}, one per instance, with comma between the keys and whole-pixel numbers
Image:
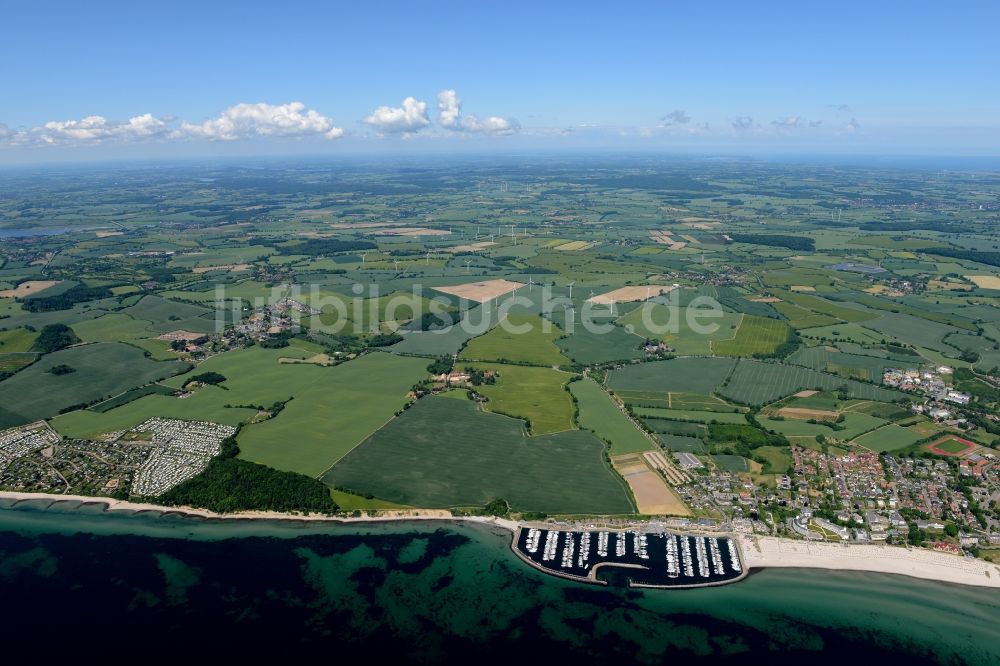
[
  {"x": 381, "y": 516},
  {"x": 758, "y": 551},
  {"x": 762, "y": 552}
]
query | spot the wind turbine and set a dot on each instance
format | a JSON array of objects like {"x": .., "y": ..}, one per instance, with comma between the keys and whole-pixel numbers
[
  {"x": 363, "y": 255},
  {"x": 396, "y": 264},
  {"x": 428, "y": 261},
  {"x": 647, "y": 292},
  {"x": 530, "y": 282},
  {"x": 570, "y": 285},
  {"x": 467, "y": 262}
]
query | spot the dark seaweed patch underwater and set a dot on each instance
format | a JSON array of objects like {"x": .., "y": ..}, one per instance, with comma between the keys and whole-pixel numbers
[{"x": 87, "y": 585}]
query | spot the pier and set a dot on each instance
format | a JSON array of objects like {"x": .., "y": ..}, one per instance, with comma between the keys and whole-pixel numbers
[{"x": 655, "y": 559}]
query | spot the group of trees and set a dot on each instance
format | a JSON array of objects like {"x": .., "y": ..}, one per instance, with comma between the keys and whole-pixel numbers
[
  {"x": 67, "y": 299},
  {"x": 54, "y": 337},
  {"x": 799, "y": 243},
  {"x": 229, "y": 484}
]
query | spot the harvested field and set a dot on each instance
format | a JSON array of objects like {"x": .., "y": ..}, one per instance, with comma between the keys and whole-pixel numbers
[
  {"x": 180, "y": 335},
  {"x": 108, "y": 234},
  {"x": 658, "y": 461},
  {"x": 653, "y": 496},
  {"x": 575, "y": 246},
  {"x": 765, "y": 299},
  {"x": 985, "y": 281},
  {"x": 629, "y": 294},
  {"x": 232, "y": 268},
  {"x": 318, "y": 359},
  {"x": 802, "y": 288},
  {"x": 412, "y": 231},
  {"x": 28, "y": 288},
  {"x": 806, "y": 394},
  {"x": 481, "y": 292},
  {"x": 471, "y": 247},
  {"x": 804, "y": 414}
]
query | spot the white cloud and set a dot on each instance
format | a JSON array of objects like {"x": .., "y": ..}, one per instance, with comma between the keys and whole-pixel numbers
[
  {"x": 450, "y": 117},
  {"x": 244, "y": 121},
  {"x": 92, "y": 129},
  {"x": 675, "y": 117},
  {"x": 852, "y": 126},
  {"x": 789, "y": 121},
  {"x": 409, "y": 118}
]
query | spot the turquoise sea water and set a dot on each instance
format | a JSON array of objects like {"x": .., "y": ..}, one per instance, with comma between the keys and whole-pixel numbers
[{"x": 77, "y": 581}]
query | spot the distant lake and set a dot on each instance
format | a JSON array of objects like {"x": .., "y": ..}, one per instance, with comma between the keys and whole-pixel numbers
[
  {"x": 40, "y": 231},
  {"x": 77, "y": 581}
]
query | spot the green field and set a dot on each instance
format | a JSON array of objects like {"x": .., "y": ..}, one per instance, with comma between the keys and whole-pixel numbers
[
  {"x": 854, "y": 424},
  {"x": 657, "y": 321},
  {"x": 112, "y": 328},
  {"x": 756, "y": 335},
  {"x": 684, "y": 428},
  {"x": 888, "y": 438},
  {"x": 535, "y": 345},
  {"x": 446, "y": 453},
  {"x": 681, "y": 443},
  {"x": 16, "y": 340},
  {"x": 333, "y": 411},
  {"x": 779, "y": 460},
  {"x": 587, "y": 347},
  {"x": 915, "y": 330},
  {"x": 730, "y": 463},
  {"x": 758, "y": 383},
  {"x": 11, "y": 363},
  {"x": 102, "y": 370},
  {"x": 534, "y": 394},
  {"x": 689, "y": 415},
  {"x": 598, "y": 412},
  {"x": 689, "y": 375}
]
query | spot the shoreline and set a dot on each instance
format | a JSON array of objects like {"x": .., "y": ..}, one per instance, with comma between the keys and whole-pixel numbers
[
  {"x": 758, "y": 552},
  {"x": 399, "y": 515}
]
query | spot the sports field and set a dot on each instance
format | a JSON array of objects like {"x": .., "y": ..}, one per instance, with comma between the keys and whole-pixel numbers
[
  {"x": 506, "y": 342},
  {"x": 756, "y": 335},
  {"x": 598, "y": 412},
  {"x": 689, "y": 375},
  {"x": 534, "y": 394},
  {"x": 446, "y": 453},
  {"x": 952, "y": 445},
  {"x": 888, "y": 438}
]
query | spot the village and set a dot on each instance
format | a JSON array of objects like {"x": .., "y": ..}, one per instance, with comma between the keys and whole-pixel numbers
[{"x": 145, "y": 461}]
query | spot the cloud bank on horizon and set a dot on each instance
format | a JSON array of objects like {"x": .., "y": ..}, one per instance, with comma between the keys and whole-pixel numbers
[
  {"x": 293, "y": 120},
  {"x": 245, "y": 121}
]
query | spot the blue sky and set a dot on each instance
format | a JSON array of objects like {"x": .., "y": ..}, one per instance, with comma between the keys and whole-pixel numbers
[{"x": 106, "y": 80}]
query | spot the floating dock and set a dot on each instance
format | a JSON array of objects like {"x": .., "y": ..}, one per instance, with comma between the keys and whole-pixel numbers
[{"x": 655, "y": 559}]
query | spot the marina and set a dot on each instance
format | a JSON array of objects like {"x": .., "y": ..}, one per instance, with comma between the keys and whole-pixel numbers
[{"x": 654, "y": 559}]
